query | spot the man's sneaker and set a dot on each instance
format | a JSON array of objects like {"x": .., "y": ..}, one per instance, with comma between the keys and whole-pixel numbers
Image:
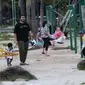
[{"x": 23, "y": 63}]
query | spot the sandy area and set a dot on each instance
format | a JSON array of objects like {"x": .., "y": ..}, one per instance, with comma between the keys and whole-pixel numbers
[{"x": 60, "y": 68}]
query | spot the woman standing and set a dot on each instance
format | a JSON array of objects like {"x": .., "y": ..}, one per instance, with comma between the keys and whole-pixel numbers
[{"x": 44, "y": 32}]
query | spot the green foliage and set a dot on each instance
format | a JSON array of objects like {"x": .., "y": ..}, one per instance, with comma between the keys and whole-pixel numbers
[
  {"x": 5, "y": 36},
  {"x": 63, "y": 6},
  {"x": 28, "y": 2}
]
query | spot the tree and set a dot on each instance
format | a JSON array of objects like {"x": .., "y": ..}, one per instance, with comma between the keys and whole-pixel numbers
[
  {"x": 23, "y": 7},
  {"x": 33, "y": 17},
  {"x": 48, "y": 2},
  {"x": 61, "y": 4},
  {"x": 0, "y": 13},
  {"x": 28, "y": 11},
  {"x": 41, "y": 12},
  {"x": 37, "y": 4},
  {"x": 54, "y": 1}
]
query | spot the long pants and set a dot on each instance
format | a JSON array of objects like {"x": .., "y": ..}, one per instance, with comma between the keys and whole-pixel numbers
[
  {"x": 46, "y": 43},
  {"x": 23, "y": 48}
]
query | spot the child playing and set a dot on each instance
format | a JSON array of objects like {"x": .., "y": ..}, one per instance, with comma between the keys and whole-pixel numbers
[
  {"x": 32, "y": 41},
  {"x": 82, "y": 34},
  {"x": 39, "y": 40},
  {"x": 9, "y": 50}
]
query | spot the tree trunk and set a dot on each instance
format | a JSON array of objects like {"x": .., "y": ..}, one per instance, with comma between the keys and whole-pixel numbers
[
  {"x": 28, "y": 9},
  {"x": 41, "y": 12},
  {"x": 54, "y": 2},
  {"x": 37, "y": 12},
  {"x": 23, "y": 7},
  {"x": 0, "y": 13},
  {"x": 33, "y": 17}
]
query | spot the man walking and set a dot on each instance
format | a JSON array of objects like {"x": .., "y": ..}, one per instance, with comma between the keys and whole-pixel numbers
[{"x": 21, "y": 33}]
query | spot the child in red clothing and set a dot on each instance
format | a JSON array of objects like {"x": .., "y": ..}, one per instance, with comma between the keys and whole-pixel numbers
[{"x": 58, "y": 33}]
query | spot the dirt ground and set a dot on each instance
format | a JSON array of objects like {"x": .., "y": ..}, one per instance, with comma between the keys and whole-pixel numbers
[{"x": 60, "y": 68}]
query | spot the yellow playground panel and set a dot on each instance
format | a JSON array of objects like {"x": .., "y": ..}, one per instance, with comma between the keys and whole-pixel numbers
[{"x": 4, "y": 53}]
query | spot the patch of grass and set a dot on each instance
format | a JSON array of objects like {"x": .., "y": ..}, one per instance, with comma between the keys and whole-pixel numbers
[{"x": 6, "y": 36}]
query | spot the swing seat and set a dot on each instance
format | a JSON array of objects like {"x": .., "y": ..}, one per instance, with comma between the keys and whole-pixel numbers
[{"x": 60, "y": 40}]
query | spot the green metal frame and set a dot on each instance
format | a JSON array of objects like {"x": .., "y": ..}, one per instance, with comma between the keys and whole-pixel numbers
[
  {"x": 71, "y": 40},
  {"x": 72, "y": 7},
  {"x": 81, "y": 2},
  {"x": 49, "y": 11},
  {"x": 68, "y": 18},
  {"x": 52, "y": 18},
  {"x": 71, "y": 20}
]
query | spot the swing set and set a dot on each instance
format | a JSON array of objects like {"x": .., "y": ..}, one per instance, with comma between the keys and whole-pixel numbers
[{"x": 69, "y": 20}]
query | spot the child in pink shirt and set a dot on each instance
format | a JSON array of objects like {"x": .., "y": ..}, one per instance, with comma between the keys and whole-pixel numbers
[{"x": 58, "y": 33}]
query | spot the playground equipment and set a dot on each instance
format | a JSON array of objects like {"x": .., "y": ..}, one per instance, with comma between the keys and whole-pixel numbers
[
  {"x": 70, "y": 15},
  {"x": 73, "y": 9},
  {"x": 68, "y": 20},
  {"x": 4, "y": 53},
  {"x": 81, "y": 3}
]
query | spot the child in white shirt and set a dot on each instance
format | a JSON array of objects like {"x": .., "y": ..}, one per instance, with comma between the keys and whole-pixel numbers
[{"x": 9, "y": 50}]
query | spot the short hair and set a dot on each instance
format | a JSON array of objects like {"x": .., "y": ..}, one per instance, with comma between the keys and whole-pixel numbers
[
  {"x": 44, "y": 23},
  {"x": 10, "y": 45},
  {"x": 22, "y": 15},
  {"x": 81, "y": 32}
]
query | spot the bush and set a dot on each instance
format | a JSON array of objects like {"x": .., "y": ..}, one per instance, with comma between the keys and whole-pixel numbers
[
  {"x": 81, "y": 65},
  {"x": 13, "y": 73}
]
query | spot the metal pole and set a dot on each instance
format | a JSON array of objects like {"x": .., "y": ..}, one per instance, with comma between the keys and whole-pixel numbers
[
  {"x": 71, "y": 41},
  {"x": 84, "y": 2},
  {"x": 69, "y": 16},
  {"x": 69, "y": 2},
  {"x": 56, "y": 4},
  {"x": 0, "y": 12},
  {"x": 80, "y": 13},
  {"x": 51, "y": 16},
  {"x": 57, "y": 13},
  {"x": 75, "y": 30},
  {"x": 64, "y": 18}
]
